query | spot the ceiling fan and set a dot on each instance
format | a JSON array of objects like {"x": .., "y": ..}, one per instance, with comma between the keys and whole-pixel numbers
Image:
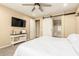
[{"x": 39, "y": 5}]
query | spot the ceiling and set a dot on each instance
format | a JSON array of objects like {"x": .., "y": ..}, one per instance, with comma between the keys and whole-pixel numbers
[{"x": 55, "y": 9}]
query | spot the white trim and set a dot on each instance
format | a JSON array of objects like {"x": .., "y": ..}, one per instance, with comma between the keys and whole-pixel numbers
[
  {"x": 8, "y": 45},
  {"x": 5, "y": 46}
]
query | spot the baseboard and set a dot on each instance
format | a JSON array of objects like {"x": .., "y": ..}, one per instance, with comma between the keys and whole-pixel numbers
[
  {"x": 9, "y": 45},
  {"x": 5, "y": 46}
]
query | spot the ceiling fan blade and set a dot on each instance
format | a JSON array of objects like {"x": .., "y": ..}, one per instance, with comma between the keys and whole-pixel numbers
[
  {"x": 28, "y": 4},
  {"x": 40, "y": 8},
  {"x": 45, "y": 4},
  {"x": 33, "y": 9}
]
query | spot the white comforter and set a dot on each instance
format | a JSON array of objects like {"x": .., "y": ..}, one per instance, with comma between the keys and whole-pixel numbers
[{"x": 46, "y": 46}]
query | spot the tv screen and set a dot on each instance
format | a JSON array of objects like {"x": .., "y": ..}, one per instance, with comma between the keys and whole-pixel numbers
[{"x": 16, "y": 22}]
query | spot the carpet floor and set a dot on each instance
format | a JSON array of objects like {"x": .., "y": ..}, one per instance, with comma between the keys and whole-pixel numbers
[{"x": 8, "y": 51}]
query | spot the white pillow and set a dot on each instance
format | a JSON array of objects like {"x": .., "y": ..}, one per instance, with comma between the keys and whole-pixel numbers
[{"x": 73, "y": 37}]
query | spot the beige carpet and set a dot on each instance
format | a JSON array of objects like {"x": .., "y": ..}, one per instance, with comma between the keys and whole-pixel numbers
[{"x": 8, "y": 51}]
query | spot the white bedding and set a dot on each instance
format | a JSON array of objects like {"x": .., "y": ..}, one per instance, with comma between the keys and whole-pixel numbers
[{"x": 46, "y": 46}]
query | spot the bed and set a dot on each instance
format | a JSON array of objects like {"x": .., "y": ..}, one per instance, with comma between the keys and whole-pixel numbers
[{"x": 48, "y": 46}]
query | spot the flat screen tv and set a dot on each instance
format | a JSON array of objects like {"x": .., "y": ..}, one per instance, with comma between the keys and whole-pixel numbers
[{"x": 16, "y": 22}]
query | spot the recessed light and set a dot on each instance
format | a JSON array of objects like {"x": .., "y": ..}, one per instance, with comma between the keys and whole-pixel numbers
[{"x": 65, "y": 4}]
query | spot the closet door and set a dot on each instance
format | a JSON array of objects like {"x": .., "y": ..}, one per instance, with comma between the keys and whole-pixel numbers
[
  {"x": 47, "y": 27},
  {"x": 37, "y": 22}
]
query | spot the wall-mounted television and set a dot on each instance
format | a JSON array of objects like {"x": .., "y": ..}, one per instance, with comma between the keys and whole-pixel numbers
[{"x": 16, "y": 22}]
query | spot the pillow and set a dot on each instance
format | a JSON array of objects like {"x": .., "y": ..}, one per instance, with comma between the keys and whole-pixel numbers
[{"x": 73, "y": 37}]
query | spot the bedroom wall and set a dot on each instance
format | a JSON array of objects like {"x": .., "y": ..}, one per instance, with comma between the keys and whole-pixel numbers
[
  {"x": 77, "y": 21},
  {"x": 32, "y": 29},
  {"x": 47, "y": 27},
  {"x": 68, "y": 25},
  {"x": 77, "y": 24},
  {"x": 5, "y": 24}
]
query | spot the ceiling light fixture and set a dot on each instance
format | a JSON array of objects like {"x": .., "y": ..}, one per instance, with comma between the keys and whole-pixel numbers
[{"x": 36, "y": 6}]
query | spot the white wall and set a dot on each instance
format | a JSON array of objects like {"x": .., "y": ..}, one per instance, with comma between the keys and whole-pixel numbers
[
  {"x": 32, "y": 29},
  {"x": 68, "y": 25},
  {"x": 47, "y": 27}
]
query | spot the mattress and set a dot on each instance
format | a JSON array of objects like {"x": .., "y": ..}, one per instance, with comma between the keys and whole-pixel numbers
[{"x": 46, "y": 46}]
